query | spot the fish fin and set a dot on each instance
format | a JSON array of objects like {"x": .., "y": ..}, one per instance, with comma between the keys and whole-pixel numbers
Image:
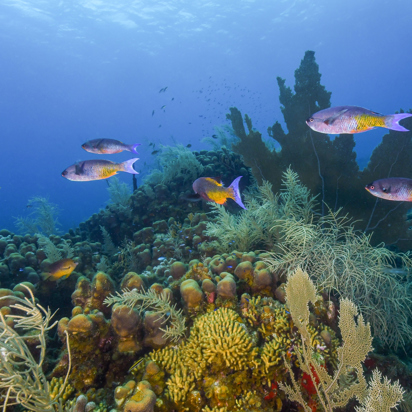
[
  {"x": 79, "y": 168},
  {"x": 192, "y": 198},
  {"x": 132, "y": 147},
  {"x": 331, "y": 119},
  {"x": 235, "y": 188},
  {"x": 127, "y": 166},
  {"x": 218, "y": 179},
  {"x": 392, "y": 121},
  {"x": 45, "y": 275}
]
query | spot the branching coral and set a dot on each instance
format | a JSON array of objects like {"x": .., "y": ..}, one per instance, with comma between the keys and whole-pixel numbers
[
  {"x": 252, "y": 228},
  {"x": 218, "y": 344},
  {"x": 52, "y": 252},
  {"x": 176, "y": 162},
  {"x": 357, "y": 342},
  {"x": 44, "y": 217},
  {"x": 337, "y": 256},
  {"x": 160, "y": 303},
  {"x": 22, "y": 380}
]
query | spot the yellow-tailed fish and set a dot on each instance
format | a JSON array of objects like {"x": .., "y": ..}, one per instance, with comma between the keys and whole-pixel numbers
[
  {"x": 353, "y": 119},
  {"x": 213, "y": 191},
  {"x": 88, "y": 170},
  {"x": 59, "y": 270},
  {"x": 108, "y": 146}
]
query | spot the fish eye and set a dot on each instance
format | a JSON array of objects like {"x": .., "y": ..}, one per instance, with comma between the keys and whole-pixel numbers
[
  {"x": 65, "y": 172},
  {"x": 311, "y": 119},
  {"x": 372, "y": 187},
  {"x": 384, "y": 189}
]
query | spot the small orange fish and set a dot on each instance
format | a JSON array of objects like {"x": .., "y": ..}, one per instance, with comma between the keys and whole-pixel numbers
[
  {"x": 213, "y": 191},
  {"x": 59, "y": 270}
]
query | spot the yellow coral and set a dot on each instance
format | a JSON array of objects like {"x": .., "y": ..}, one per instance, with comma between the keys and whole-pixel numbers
[
  {"x": 55, "y": 387},
  {"x": 218, "y": 340},
  {"x": 179, "y": 384}
]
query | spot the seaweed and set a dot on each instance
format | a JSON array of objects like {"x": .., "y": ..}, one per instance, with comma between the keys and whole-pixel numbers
[{"x": 43, "y": 219}]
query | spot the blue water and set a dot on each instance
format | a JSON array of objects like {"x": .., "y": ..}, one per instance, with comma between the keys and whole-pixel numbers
[{"x": 73, "y": 70}]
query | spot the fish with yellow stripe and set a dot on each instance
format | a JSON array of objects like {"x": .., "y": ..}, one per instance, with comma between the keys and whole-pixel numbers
[
  {"x": 88, "y": 170},
  {"x": 353, "y": 119}
]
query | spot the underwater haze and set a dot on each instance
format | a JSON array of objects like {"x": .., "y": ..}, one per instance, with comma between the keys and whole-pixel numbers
[{"x": 72, "y": 71}]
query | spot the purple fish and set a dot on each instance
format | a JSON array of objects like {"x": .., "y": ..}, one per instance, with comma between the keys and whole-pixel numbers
[
  {"x": 108, "y": 146},
  {"x": 88, "y": 170},
  {"x": 353, "y": 119}
]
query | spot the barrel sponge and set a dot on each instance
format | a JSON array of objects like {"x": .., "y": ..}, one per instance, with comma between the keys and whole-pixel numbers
[
  {"x": 102, "y": 286},
  {"x": 80, "y": 324},
  {"x": 177, "y": 270},
  {"x": 217, "y": 265},
  {"x": 191, "y": 294},
  {"x": 132, "y": 280},
  {"x": 125, "y": 321},
  {"x": 244, "y": 270},
  {"x": 208, "y": 286},
  {"x": 226, "y": 288},
  {"x": 143, "y": 399},
  {"x": 80, "y": 296},
  {"x": 262, "y": 278}
]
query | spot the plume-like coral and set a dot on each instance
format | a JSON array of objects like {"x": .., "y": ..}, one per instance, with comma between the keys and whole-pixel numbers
[
  {"x": 160, "y": 303},
  {"x": 22, "y": 380},
  {"x": 357, "y": 342}
]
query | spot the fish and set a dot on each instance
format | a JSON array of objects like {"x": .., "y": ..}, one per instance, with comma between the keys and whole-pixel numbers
[
  {"x": 214, "y": 136},
  {"x": 353, "y": 119},
  {"x": 189, "y": 146},
  {"x": 155, "y": 152},
  {"x": 213, "y": 191},
  {"x": 153, "y": 112},
  {"x": 163, "y": 107},
  {"x": 108, "y": 146},
  {"x": 88, "y": 170},
  {"x": 392, "y": 188},
  {"x": 60, "y": 270},
  {"x": 135, "y": 365}
]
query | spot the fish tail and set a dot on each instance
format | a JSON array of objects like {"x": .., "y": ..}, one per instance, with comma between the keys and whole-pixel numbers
[
  {"x": 45, "y": 275},
  {"x": 235, "y": 188},
  {"x": 392, "y": 121},
  {"x": 127, "y": 166},
  {"x": 132, "y": 147}
]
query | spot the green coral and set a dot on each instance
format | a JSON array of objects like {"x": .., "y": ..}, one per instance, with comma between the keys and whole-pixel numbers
[
  {"x": 177, "y": 163},
  {"x": 43, "y": 218}
]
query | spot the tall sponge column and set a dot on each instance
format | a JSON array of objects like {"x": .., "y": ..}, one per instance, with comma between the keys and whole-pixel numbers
[{"x": 192, "y": 294}]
